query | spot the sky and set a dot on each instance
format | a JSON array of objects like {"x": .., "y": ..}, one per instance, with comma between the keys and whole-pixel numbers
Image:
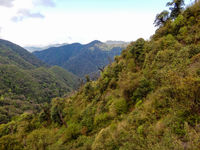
[{"x": 45, "y": 22}]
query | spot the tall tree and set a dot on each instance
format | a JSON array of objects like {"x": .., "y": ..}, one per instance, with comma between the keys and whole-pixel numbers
[
  {"x": 161, "y": 18},
  {"x": 176, "y": 6}
]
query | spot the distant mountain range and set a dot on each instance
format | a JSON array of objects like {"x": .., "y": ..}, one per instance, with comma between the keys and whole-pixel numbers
[
  {"x": 82, "y": 59},
  {"x": 116, "y": 42},
  {"x": 25, "y": 81},
  {"x": 40, "y": 48}
]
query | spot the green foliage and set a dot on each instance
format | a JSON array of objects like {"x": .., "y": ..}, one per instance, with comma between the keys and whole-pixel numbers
[
  {"x": 80, "y": 59},
  {"x": 120, "y": 106},
  {"x": 149, "y": 98},
  {"x": 161, "y": 18},
  {"x": 89, "y": 91},
  {"x": 137, "y": 50},
  {"x": 72, "y": 132},
  {"x": 26, "y": 82},
  {"x": 141, "y": 92},
  {"x": 11, "y": 53},
  {"x": 87, "y": 118},
  {"x": 40, "y": 139},
  {"x": 102, "y": 119},
  {"x": 56, "y": 111},
  {"x": 177, "y": 7},
  {"x": 10, "y": 142}
]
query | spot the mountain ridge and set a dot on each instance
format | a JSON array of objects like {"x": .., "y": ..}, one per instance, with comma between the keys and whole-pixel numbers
[
  {"x": 81, "y": 59},
  {"x": 17, "y": 50},
  {"x": 28, "y": 82}
]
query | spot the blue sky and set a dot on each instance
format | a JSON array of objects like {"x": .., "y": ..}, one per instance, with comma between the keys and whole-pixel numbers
[
  {"x": 113, "y": 5},
  {"x": 43, "y": 22}
]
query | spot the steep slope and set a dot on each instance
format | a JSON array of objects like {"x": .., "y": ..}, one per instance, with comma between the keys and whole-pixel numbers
[
  {"x": 11, "y": 53},
  {"x": 149, "y": 98},
  {"x": 25, "y": 81},
  {"x": 81, "y": 59}
]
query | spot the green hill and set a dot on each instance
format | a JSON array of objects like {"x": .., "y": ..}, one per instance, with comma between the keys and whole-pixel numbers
[
  {"x": 148, "y": 99},
  {"x": 11, "y": 53},
  {"x": 81, "y": 59},
  {"x": 26, "y": 82}
]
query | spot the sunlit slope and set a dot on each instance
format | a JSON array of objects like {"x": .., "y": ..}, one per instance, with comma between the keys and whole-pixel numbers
[
  {"x": 149, "y": 98},
  {"x": 25, "y": 81}
]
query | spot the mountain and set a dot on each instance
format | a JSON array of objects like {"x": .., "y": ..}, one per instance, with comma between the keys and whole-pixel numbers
[
  {"x": 116, "y": 42},
  {"x": 13, "y": 54},
  {"x": 25, "y": 81},
  {"x": 147, "y": 99},
  {"x": 81, "y": 59},
  {"x": 40, "y": 48}
]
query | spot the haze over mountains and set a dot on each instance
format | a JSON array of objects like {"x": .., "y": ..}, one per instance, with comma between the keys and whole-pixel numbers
[
  {"x": 40, "y": 48},
  {"x": 82, "y": 59}
]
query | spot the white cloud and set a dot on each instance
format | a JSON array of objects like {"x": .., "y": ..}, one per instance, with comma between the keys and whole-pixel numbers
[
  {"x": 66, "y": 27},
  {"x": 46, "y": 3},
  {"x": 81, "y": 27},
  {"x": 6, "y": 3},
  {"x": 25, "y": 13}
]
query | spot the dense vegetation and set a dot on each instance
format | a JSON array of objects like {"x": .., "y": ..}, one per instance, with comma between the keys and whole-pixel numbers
[
  {"x": 149, "y": 98},
  {"x": 81, "y": 59},
  {"x": 26, "y": 82}
]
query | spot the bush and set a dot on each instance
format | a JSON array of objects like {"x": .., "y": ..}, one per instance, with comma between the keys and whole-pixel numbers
[
  {"x": 40, "y": 139},
  {"x": 120, "y": 106},
  {"x": 72, "y": 132},
  {"x": 102, "y": 119},
  {"x": 87, "y": 118},
  {"x": 57, "y": 110},
  {"x": 194, "y": 50},
  {"x": 10, "y": 142},
  {"x": 137, "y": 50},
  {"x": 141, "y": 92}
]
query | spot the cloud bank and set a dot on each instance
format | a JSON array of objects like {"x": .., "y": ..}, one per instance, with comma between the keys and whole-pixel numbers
[
  {"x": 6, "y": 3},
  {"x": 46, "y": 3},
  {"x": 25, "y": 13}
]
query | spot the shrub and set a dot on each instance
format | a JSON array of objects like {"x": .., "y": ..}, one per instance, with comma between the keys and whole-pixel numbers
[
  {"x": 120, "y": 106},
  {"x": 57, "y": 110},
  {"x": 87, "y": 118},
  {"x": 141, "y": 92},
  {"x": 10, "y": 142},
  {"x": 40, "y": 139},
  {"x": 72, "y": 132},
  {"x": 101, "y": 119},
  {"x": 137, "y": 50}
]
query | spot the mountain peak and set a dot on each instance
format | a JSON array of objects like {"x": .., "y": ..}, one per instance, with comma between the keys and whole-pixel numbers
[{"x": 94, "y": 42}]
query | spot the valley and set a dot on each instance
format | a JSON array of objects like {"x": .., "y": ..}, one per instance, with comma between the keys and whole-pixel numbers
[{"x": 81, "y": 59}]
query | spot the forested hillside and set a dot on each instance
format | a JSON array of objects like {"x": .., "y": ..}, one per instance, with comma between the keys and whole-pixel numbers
[
  {"x": 81, "y": 59},
  {"x": 13, "y": 54},
  {"x": 26, "y": 82},
  {"x": 147, "y": 99}
]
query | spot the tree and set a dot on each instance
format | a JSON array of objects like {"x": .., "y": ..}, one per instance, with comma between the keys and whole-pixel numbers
[
  {"x": 161, "y": 18},
  {"x": 56, "y": 111},
  {"x": 177, "y": 7}
]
